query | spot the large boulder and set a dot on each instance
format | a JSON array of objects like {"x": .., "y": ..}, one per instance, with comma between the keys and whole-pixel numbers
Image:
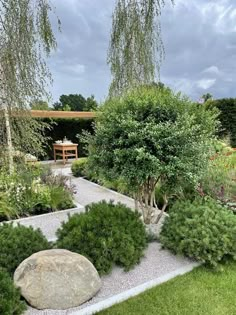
[{"x": 57, "y": 279}]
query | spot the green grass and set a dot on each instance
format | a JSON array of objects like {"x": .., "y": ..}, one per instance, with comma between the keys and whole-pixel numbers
[{"x": 200, "y": 292}]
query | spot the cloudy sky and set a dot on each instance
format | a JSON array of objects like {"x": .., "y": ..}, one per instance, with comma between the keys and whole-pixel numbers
[{"x": 199, "y": 38}]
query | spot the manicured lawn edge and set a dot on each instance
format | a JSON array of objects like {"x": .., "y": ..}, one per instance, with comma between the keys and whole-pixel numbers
[{"x": 92, "y": 309}]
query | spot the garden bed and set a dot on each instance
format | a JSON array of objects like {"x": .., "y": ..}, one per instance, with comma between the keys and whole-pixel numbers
[{"x": 156, "y": 267}]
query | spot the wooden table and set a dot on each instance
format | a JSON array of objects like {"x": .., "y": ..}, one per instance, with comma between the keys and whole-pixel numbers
[{"x": 65, "y": 150}]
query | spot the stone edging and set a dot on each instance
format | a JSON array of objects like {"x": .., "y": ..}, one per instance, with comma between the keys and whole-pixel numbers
[
  {"x": 121, "y": 297},
  {"x": 45, "y": 215}
]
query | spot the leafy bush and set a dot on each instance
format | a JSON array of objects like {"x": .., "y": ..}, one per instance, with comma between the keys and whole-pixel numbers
[
  {"x": 152, "y": 136},
  {"x": 6, "y": 211},
  {"x": 33, "y": 190},
  {"x": 219, "y": 180},
  {"x": 10, "y": 303},
  {"x": 106, "y": 234},
  {"x": 60, "y": 198},
  {"x": 203, "y": 230},
  {"x": 18, "y": 243},
  {"x": 78, "y": 167}
]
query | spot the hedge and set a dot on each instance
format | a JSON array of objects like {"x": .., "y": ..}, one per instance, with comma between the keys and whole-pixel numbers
[
  {"x": 227, "y": 107},
  {"x": 69, "y": 128}
]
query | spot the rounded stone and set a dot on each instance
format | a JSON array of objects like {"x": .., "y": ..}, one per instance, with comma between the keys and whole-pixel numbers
[{"x": 57, "y": 279}]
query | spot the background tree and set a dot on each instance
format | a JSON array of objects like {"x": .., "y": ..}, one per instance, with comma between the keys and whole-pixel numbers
[
  {"x": 152, "y": 137},
  {"x": 39, "y": 105},
  {"x": 227, "y": 117},
  {"x": 66, "y": 108},
  {"x": 25, "y": 38},
  {"x": 206, "y": 97},
  {"x": 136, "y": 48},
  {"x": 57, "y": 106},
  {"x": 91, "y": 104},
  {"x": 76, "y": 102}
]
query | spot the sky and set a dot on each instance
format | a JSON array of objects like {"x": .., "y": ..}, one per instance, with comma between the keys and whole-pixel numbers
[{"x": 199, "y": 38}]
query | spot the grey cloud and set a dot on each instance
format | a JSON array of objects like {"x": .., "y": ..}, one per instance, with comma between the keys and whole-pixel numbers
[
  {"x": 200, "y": 35},
  {"x": 199, "y": 38}
]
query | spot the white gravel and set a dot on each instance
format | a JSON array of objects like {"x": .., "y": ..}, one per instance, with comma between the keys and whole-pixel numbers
[{"x": 156, "y": 263}]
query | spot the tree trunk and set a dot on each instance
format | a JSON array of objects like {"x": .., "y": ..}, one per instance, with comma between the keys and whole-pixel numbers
[
  {"x": 8, "y": 140},
  {"x": 147, "y": 203},
  {"x": 4, "y": 110}
]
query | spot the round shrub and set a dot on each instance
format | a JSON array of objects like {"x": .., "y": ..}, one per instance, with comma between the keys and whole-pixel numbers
[
  {"x": 78, "y": 167},
  {"x": 18, "y": 243},
  {"x": 10, "y": 303},
  {"x": 106, "y": 234},
  {"x": 202, "y": 230}
]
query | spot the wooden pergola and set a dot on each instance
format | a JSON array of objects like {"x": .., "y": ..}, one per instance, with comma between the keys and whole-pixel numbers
[{"x": 61, "y": 114}]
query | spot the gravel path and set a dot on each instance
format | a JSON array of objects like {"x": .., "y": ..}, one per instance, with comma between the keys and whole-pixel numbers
[
  {"x": 156, "y": 263},
  {"x": 88, "y": 192},
  {"x": 49, "y": 223}
]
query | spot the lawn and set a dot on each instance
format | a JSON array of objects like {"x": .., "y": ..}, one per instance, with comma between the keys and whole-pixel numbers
[{"x": 200, "y": 292}]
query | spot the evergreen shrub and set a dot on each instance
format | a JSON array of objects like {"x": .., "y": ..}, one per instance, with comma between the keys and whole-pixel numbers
[
  {"x": 202, "y": 229},
  {"x": 18, "y": 243},
  {"x": 10, "y": 303},
  {"x": 106, "y": 234}
]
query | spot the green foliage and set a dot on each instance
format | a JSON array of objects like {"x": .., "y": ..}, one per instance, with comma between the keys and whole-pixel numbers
[
  {"x": 106, "y": 234},
  {"x": 206, "y": 97},
  {"x": 227, "y": 107},
  {"x": 71, "y": 128},
  {"x": 76, "y": 102},
  {"x": 60, "y": 198},
  {"x": 39, "y": 105},
  {"x": 33, "y": 189},
  {"x": 18, "y": 243},
  {"x": 66, "y": 108},
  {"x": 91, "y": 104},
  {"x": 202, "y": 230},
  {"x": 10, "y": 303},
  {"x": 116, "y": 184},
  {"x": 151, "y": 135},
  {"x": 24, "y": 73},
  {"x": 136, "y": 48},
  {"x": 78, "y": 167},
  {"x": 219, "y": 180},
  {"x": 6, "y": 210}
]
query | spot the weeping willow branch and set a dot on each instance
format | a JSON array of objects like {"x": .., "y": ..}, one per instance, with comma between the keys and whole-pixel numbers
[
  {"x": 136, "y": 49},
  {"x": 26, "y": 38}
]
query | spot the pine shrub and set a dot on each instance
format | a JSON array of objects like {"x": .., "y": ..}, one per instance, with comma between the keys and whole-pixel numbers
[
  {"x": 18, "y": 243},
  {"x": 106, "y": 234},
  {"x": 10, "y": 303},
  {"x": 202, "y": 229}
]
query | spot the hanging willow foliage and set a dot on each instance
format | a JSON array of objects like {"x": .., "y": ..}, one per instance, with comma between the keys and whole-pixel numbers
[
  {"x": 26, "y": 38},
  {"x": 136, "y": 49}
]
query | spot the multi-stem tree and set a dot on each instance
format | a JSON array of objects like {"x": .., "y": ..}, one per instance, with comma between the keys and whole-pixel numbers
[
  {"x": 136, "y": 49},
  {"x": 26, "y": 38},
  {"x": 154, "y": 141}
]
